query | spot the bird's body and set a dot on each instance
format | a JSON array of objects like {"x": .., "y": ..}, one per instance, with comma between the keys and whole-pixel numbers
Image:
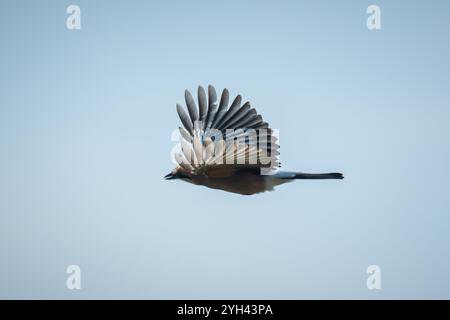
[
  {"x": 230, "y": 149},
  {"x": 242, "y": 182}
]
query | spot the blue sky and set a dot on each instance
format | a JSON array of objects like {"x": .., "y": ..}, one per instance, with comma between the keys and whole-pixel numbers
[{"x": 85, "y": 123}]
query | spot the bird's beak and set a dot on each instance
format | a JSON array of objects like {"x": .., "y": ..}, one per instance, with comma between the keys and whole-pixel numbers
[{"x": 169, "y": 176}]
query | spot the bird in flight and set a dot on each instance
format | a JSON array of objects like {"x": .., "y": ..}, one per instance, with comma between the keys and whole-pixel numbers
[{"x": 230, "y": 148}]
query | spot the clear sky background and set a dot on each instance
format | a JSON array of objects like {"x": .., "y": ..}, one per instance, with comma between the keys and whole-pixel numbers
[{"x": 85, "y": 137}]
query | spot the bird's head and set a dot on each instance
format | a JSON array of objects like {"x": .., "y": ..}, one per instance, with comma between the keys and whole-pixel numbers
[{"x": 179, "y": 173}]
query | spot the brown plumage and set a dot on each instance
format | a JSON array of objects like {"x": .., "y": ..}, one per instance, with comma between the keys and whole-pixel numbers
[{"x": 230, "y": 149}]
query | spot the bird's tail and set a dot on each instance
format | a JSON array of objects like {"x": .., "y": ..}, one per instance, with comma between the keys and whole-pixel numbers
[
  {"x": 289, "y": 175},
  {"x": 332, "y": 175}
]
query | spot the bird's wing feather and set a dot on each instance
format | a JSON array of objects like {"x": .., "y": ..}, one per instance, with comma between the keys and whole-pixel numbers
[{"x": 236, "y": 126}]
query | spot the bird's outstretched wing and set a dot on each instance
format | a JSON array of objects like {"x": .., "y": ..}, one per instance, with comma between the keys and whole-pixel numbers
[{"x": 217, "y": 138}]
